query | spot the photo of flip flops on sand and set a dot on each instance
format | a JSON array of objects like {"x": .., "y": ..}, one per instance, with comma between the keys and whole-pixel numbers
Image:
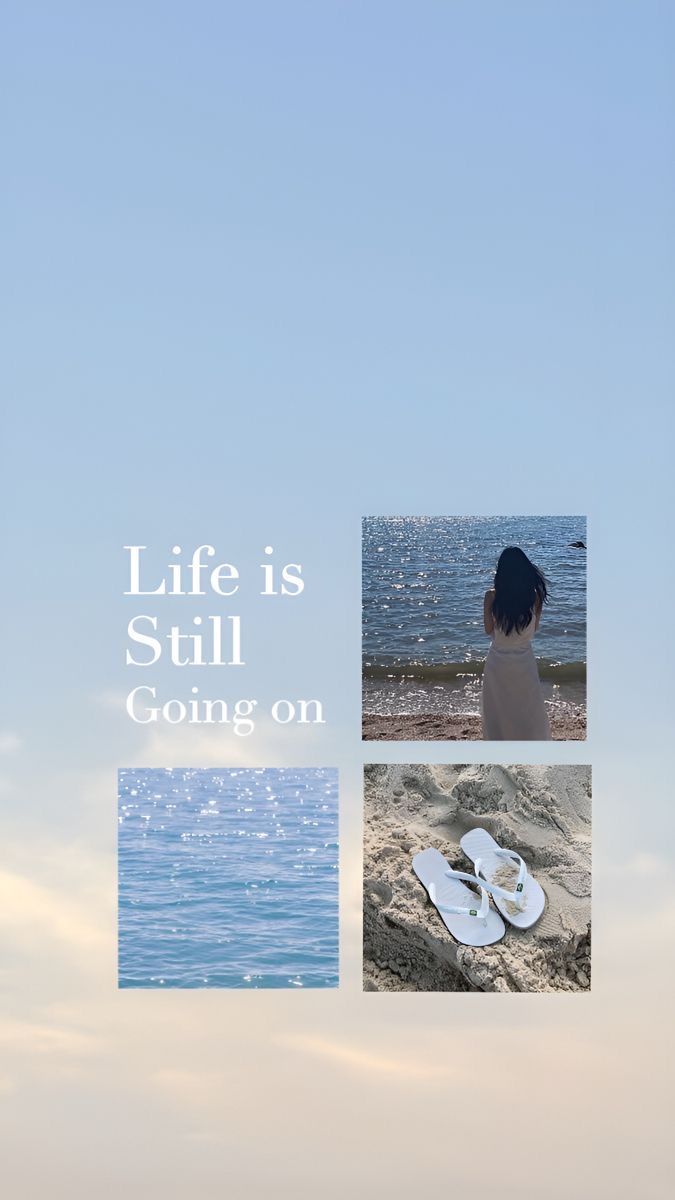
[{"x": 477, "y": 878}]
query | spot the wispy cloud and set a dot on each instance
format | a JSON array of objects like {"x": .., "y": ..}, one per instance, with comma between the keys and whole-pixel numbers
[
  {"x": 189, "y": 1087},
  {"x": 37, "y": 1038},
  {"x": 9, "y": 742},
  {"x": 36, "y": 909},
  {"x": 364, "y": 1061}
]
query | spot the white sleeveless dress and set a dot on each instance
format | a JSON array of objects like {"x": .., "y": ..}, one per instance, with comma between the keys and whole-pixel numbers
[{"x": 512, "y": 703}]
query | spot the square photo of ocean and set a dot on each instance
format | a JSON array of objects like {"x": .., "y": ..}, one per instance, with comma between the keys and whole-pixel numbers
[
  {"x": 228, "y": 878},
  {"x": 474, "y": 627}
]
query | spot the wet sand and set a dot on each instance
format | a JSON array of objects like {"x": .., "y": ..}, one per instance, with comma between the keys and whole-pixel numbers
[{"x": 569, "y": 726}]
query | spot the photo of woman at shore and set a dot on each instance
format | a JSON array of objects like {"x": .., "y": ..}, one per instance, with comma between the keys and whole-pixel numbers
[
  {"x": 474, "y": 628},
  {"x": 512, "y": 702}
]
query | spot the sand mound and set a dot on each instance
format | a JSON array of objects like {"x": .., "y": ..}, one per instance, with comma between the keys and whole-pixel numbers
[{"x": 544, "y": 813}]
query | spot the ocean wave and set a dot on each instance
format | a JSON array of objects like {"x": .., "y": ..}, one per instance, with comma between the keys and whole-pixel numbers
[{"x": 557, "y": 672}]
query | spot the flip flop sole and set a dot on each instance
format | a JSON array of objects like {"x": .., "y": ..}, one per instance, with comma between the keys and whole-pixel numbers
[{"x": 430, "y": 867}]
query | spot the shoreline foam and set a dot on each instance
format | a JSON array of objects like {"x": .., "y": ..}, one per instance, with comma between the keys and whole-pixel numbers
[
  {"x": 437, "y": 672},
  {"x": 394, "y": 696}
]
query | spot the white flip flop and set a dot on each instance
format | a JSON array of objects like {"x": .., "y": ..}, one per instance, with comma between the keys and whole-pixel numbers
[
  {"x": 521, "y": 906},
  {"x": 469, "y": 918}
]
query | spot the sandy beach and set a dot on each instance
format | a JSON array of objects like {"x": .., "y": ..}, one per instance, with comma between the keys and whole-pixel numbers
[
  {"x": 568, "y": 726},
  {"x": 542, "y": 812}
]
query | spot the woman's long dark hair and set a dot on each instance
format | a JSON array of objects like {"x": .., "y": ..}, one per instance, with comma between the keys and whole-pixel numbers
[{"x": 518, "y": 586}]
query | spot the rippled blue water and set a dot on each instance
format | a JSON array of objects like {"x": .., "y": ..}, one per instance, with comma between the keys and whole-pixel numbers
[
  {"x": 228, "y": 878},
  {"x": 424, "y": 579}
]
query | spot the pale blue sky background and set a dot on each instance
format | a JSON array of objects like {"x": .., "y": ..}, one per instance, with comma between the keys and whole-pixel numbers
[{"x": 271, "y": 267}]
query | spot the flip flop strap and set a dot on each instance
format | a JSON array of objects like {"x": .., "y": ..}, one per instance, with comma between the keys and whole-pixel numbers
[
  {"x": 516, "y": 896},
  {"x": 459, "y": 910}
]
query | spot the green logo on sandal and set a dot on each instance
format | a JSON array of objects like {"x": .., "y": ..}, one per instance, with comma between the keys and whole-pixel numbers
[
  {"x": 519, "y": 888},
  {"x": 473, "y": 912}
]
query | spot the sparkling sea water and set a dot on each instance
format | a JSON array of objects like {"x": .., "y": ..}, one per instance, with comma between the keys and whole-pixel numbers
[
  {"x": 228, "y": 878},
  {"x": 424, "y": 579}
]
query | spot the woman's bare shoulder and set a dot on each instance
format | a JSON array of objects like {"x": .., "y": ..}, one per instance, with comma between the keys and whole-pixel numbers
[{"x": 490, "y": 594}]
